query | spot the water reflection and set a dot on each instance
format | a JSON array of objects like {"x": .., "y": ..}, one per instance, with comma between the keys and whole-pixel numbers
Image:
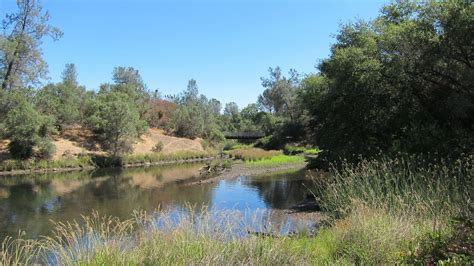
[{"x": 30, "y": 202}]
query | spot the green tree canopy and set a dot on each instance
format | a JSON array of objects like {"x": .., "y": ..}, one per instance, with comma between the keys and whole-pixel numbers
[
  {"x": 21, "y": 63},
  {"x": 25, "y": 126},
  {"x": 117, "y": 121},
  {"x": 403, "y": 82}
]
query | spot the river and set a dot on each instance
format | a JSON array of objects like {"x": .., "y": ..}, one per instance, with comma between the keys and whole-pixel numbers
[{"x": 30, "y": 203}]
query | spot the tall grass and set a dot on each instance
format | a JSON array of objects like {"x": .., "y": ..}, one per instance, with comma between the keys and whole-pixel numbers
[
  {"x": 160, "y": 157},
  {"x": 252, "y": 154},
  {"x": 390, "y": 210},
  {"x": 12, "y": 165},
  {"x": 401, "y": 185},
  {"x": 161, "y": 238}
]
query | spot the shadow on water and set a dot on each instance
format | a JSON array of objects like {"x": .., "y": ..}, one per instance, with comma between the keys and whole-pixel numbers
[{"x": 30, "y": 202}]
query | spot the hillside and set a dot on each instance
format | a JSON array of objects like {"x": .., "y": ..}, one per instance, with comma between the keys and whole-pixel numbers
[{"x": 75, "y": 141}]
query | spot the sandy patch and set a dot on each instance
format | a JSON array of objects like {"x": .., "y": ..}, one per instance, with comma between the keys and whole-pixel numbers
[{"x": 170, "y": 144}]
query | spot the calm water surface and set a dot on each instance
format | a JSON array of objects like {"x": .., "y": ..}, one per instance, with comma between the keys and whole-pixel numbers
[{"x": 30, "y": 203}]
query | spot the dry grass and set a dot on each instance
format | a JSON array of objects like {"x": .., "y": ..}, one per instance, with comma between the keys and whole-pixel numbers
[
  {"x": 161, "y": 238},
  {"x": 75, "y": 141},
  {"x": 170, "y": 144},
  {"x": 252, "y": 154}
]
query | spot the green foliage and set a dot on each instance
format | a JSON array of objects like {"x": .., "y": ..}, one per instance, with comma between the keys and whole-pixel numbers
[
  {"x": 46, "y": 149},
  {"x": 444, "y": 247},
  {"x": 61, "y": 101},
  {"x": 397, "y": 211},
  {"x": 402, "y": 185},
  {"x": 271, "y": 142},
  {"x": 158, "y": 147},
  {"x": 21, "y": 64},
  {"x": 44, "y": 164},
  {"x": 399, "y": 83},
  {"x": 313, "y": 151},
  {"x": 160, "y": 157},
  {"x": 117, "y": 121},
  {"x": 235, "y": 146},
  {"x": 21, "y": 149},
  {"x": 292, "y": 150},
  {"x": 195, "y": 115},
  {"x": 25, "y": 127},
  {"x": 275, "y": 161},
  {"x": 279, "y": 96}
]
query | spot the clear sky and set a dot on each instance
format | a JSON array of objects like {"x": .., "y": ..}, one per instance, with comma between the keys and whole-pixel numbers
[{"x": 225, "y": 45}]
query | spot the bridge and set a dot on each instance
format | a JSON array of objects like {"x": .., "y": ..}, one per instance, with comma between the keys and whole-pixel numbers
[{"x": 244, "y": 135}]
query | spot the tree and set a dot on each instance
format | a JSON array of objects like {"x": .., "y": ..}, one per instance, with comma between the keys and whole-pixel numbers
[
  {"x": 128, "y": 80},
  {"x": 400, "y": 83},
  {"x": 215, "y": 106},
  {"x": 192, "y": 91},
  {"x": 64, "y": 101},
  {"x": 280, "y": 93},
  {"x": 21, "y": 63},
  {"x": 250, "y": 112},
  {"x": 128, "y": 75},
  {"x": 195, "y": 115},
  {"x": 231, "y": 109},
  {"x": 69, "y": 75},
  {"x": 117, "y": 121},
  {"x": 25, "y": 127}
]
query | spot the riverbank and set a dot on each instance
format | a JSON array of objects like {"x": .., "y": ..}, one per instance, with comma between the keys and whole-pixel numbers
[{"x": 16, "y": 167}]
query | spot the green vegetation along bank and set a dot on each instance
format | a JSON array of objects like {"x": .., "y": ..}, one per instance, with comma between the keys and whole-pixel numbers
[{"x": 11, "y": 167}]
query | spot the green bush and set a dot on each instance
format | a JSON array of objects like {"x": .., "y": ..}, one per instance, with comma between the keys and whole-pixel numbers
[
  {"x": 21, "y": 149},
  {"x": 158, "y": 147},
  {"x": 46, "y": 149}
]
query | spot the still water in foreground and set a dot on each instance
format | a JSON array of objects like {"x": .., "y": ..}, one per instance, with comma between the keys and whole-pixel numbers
[{"x": 30, "y": 203}]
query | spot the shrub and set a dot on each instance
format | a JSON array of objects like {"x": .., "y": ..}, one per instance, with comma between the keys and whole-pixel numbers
[
  {"x": 292, "y": 150},
  {"x": 158, "y": 147},
  {"x": 46, "y": 149},
  {"x": 20, "y": 149}
]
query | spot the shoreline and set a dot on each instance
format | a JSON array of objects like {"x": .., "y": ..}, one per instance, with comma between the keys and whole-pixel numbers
[
  {"x": 90, "y": 167},
  {"x": 240, "y": 169}
]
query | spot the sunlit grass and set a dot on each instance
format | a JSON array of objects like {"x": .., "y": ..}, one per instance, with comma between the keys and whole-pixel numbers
[
  {"x": 249, "y": 154},
  {"x": 312, "y": 151},
  {"x": 275, "y": 160},
  {"x": 293, "y": 150}
]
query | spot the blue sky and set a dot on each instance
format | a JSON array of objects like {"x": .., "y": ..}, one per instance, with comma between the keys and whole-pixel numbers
[{"x": 225, "y": 45}]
